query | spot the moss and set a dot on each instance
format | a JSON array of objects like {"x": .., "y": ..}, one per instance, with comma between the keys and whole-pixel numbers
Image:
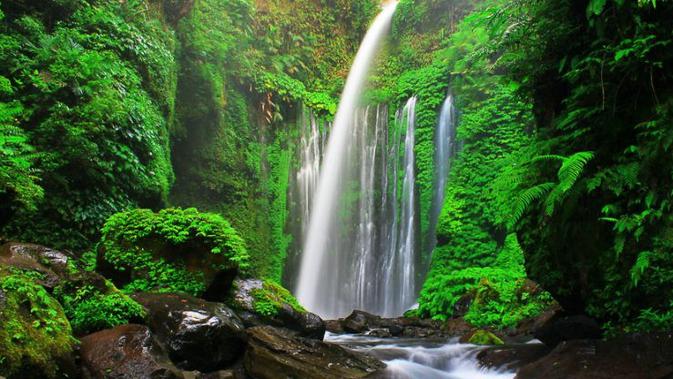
[
  {"x": 172, "y": 250},
  {"x": 35, "y": 337},
  {"x": 483, "y": 337},
  {"x": 272, "y": 297}
]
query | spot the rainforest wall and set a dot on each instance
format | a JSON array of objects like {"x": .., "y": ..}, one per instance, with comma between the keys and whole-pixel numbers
[{"x": 111, "y": 105}]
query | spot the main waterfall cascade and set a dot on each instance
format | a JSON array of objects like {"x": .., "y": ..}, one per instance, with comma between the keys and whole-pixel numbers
[{"x": 322, "y": 280}]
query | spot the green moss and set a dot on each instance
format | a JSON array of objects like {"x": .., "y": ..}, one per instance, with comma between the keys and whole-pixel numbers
[
  {"x": 271, "y": 298},
  {"x": 483, "y": 337},
  {"x": 35, "y": 337},
  {"x": 171, "y": 250}
]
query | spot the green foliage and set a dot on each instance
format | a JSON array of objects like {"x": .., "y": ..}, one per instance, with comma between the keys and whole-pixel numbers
[
  {"x": 502, "y": 297},
  {"x": 88, "y": 90},
  {"x": 155, "y": 247},
  {"x": 91, "y": 309},
  {"x": 35, "y": 336}
]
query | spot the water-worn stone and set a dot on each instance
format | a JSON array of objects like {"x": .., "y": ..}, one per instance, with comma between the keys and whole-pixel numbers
[
  {"x": 275, "y": 353},
  {"x": 565, "y": 328},
  {"x": 52, "y": 264},
  {"x": 635, "y": 356},
  {"x": 124, "y": 352},
  {"x": 243, "y": 299},
  {"x": 197, "y": 334}
]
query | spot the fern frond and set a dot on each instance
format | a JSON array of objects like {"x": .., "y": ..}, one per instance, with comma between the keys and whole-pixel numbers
[
  {"x": 526, "y": 198},
  {"x": 548, "y": 157},
  {"x": 572, "y": 168}
]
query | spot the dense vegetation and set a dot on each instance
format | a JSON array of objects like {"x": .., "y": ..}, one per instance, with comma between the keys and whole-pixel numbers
[{"x": 117, "y": 118}]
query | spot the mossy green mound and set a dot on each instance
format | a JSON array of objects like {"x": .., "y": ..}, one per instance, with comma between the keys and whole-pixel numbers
[
  {"x": 483, "y": 337},
  {"x": 174, "y": 250},
  {"x": 35, "y": 338},
  {"x": 272, "y": 297}
]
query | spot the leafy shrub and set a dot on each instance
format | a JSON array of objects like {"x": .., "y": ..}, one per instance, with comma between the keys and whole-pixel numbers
[
  {"x": 155, "y": 248},
  {"x": 90, "y": 309}
]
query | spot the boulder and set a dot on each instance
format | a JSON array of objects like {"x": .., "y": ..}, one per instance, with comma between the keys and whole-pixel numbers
[
  {"x": 636, "y": 356},
  {"x": 35, "y": 336},
  {"x": 511, "y": 357},
  {"x": 52, "y": 264},
  {"x": 197, "y": 334},
  {"x": 360, "y": 322},
  {"x": 124, "y": 352},
  {"x": 276, "y": 353},
  {"x": 260, "y": 302},
  {"x": 565, "y": 328}
]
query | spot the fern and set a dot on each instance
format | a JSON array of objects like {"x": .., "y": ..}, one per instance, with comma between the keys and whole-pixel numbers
[{"x": 527, "y": 197}]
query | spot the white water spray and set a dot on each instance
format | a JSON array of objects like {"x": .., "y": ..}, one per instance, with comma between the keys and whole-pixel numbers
[{"x": 324, "y": 209}]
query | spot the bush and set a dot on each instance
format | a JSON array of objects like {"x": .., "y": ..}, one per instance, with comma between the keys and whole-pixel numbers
[{"x": 172, "y": 250}]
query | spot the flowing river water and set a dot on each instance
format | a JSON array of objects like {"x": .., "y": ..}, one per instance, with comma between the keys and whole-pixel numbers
[{"x": 422, "y": 358}]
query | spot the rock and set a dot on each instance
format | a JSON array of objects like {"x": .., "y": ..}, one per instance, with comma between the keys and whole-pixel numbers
[
  {"x": 481, "y": 337},
  {"x": 511, "y": 357},
  {"x": 197, "y": 334},
  {"x": 526, "y": 329},
  {"x": 52, "y": 264},
  {"x": 35, "y": 336},
  {"x": 565, "y": 328},
  {"x": 463, "y": 305},
  {"x": 636, "y": 356},
  {"x": 124, "y": 352},
  {"x": 360, "y": 321},
  {"x": 457, "y": 327},
  {"x": 274, "y": 353},
  {"x": 380, "y": 333},
  {"x": 334, "y": 326},
  {"x": 261, "y": 302}
]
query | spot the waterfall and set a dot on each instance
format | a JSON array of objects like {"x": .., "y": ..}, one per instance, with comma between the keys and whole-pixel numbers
[
  {"x": 320, "y": 276},
  {"x": 401, "y": 247},
  {"x": 445, "y": 135}
]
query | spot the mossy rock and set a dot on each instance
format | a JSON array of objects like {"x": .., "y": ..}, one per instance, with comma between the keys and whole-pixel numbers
[
  {"x": 35, "y": 338},
  {"x": 173, "y": 250},
  {"x": 263, "y": 302},
  {"x": 93, "y": 303},
  {"x": 484, "y": 337}
]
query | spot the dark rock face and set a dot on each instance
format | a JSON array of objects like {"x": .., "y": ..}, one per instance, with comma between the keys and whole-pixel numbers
[
  {"x": 306, "y": 324},
  {"x": 124, "y": 352},
  {"x": 51, "y": 263},
  {"x": 566, "y": 328},
  {"x": 275, "y": 353},
  {"x": 636, "y": 356},
  {"x": 411, "y": 327},
  {"x": 197, "y": 334},
  {"x": 511, "y": 357}
]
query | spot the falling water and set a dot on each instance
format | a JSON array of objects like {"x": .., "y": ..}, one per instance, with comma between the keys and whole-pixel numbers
[
  {"x": 319, "y": 271},
  {"x": 445, "y": 136},
  {"x": 400, "y": 256}
]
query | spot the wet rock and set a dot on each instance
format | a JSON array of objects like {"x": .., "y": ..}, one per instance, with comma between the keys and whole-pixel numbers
[
  {"x": 334, "y": 326},
  {"x": 511, "y": 357},
  {"x": 565, "y": 328},
  {"x": 284, "y": 312},
  {"x": 463, "y": 305},
  {"x": 527, "y": 328},
  {"x": 360, "y": 321},
  {"x": 52, "y": 264},
  {"x": 197, "y": 334},
  {"x": 636, "y": 356},
  {"x": 380, "y": 333},
  {"x": 124, "y": 352},
  {"x": 275, "y": 353}
]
